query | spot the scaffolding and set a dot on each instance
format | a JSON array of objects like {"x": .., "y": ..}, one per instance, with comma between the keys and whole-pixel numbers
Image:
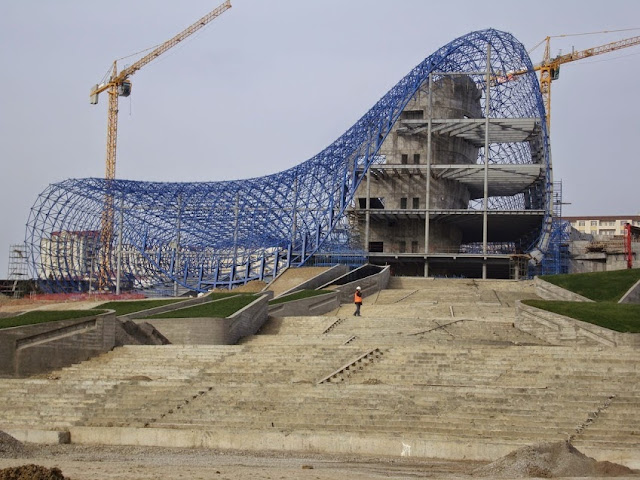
[
  {"x": 556, "y": 259},
  {"x": 17, "y": 282},
  {"x": 18, "y": 267}
]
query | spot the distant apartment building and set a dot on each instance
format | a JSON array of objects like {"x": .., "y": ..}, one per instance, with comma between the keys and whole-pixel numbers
[{"x": 607, "y": 225}]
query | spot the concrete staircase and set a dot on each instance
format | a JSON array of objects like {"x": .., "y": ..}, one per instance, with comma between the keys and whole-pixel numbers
[{"x": 407, "y": 376}]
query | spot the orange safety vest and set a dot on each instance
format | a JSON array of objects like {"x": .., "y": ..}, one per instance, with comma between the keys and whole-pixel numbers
[{"x": 357, "y": 297}]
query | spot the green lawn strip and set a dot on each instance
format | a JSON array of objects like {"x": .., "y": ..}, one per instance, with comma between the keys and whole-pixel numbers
[
  {"x": 123, "y": 307},
  {"x": 623, "y": 318},
  {"x": 599, "y": 286},
  {"x": 218, "y": 309},
  {"x": 298, "y": 295},
  {"x": 44, "y": 316}
]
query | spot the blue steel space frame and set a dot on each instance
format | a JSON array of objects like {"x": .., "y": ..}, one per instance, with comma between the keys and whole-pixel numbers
[{"x": 208, "y": 234}]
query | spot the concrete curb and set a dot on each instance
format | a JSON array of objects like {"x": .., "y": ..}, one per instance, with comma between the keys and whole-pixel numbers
[{"x": 42, "y": 437}]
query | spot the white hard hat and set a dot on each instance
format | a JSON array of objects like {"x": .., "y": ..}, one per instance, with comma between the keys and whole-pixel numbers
[{"x": 358, "y": 288}]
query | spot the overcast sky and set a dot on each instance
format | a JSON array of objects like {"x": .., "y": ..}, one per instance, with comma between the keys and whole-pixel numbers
[{"x": 270, "y": 83}]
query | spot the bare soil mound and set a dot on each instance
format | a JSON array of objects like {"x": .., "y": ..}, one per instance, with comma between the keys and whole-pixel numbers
[
  {"x": 12, "y": 448},
  {"x": 31, "y": 472},
  {"x": 9, "y": 446},
  {"x": 550, "y": 460}
]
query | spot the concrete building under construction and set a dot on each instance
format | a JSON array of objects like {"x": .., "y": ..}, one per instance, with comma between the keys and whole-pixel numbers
[{"x": 416, "y": 211}]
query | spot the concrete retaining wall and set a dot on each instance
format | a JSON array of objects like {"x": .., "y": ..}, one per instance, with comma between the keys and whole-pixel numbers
[
  {"x": 632, "y": 295},
  {"x": 321, "y": 279},
  {"x": 214, "y": 331},
  {"x": 549, "y": 291},
  {"x": 40, "y": 348},
  {"x": 318, "y": 305},
  {"x": 367, "y": 443},
  {"x": 560, "y": 330},
  {"x": 370, "y": 284}
]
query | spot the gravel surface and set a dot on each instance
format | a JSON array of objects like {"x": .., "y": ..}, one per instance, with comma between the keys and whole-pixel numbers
[{"x": 81, "y": 462}]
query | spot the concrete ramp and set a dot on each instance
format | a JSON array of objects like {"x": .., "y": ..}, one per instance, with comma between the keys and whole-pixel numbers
[{"x": 292, "y": 277}]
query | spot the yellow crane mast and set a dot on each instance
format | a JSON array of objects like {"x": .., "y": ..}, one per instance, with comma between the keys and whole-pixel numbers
[
  {"x": 120, "y": 85},
  {"x": 550, "y": 67}
]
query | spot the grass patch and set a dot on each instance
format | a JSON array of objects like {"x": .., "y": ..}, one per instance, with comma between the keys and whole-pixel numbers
[
  {"x": 298, "y": 296},
  {"x": 597, "y": 286},
  {"x": 124, "y": 307},
  {"x": 623, "y": 318},
  {"x": 218, "y": 309},
  {"x": 45, "y": 316}
]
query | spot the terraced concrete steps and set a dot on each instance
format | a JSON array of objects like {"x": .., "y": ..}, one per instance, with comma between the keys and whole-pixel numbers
[{"x": 444, "y": 384}]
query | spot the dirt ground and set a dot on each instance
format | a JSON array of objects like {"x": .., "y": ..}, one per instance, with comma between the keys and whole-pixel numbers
[
  {"x": 78, "y": 462},
  {"x": 143, "y": 463}
]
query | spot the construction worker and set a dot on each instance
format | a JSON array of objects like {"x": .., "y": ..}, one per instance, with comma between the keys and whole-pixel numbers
[{"x": 357, "y": 299}]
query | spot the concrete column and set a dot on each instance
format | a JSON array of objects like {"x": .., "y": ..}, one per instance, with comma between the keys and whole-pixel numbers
[
  {"x": 487, "y": 111},
  {"x": 427, "y": 197}
]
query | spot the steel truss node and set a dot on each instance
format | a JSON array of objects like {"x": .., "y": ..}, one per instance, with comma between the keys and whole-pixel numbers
[{"x": 197, "y": 236}]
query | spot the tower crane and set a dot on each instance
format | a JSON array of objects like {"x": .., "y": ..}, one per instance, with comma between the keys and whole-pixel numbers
[
  {"x": 549, "y": 68},
  {"x": 120, "y": 85}
]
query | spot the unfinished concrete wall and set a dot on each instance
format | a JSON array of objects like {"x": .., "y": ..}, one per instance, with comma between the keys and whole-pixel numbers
[
  {"x": 318, "y": 305},
  {"x": 214, "y": 331},
  {"x": 632, "y": 295},
  {"x": 560, "y": 330},
  {"x": 452, "y": 97},
  {"x": 370, "y": 283},
  {"x": 319, "y": 280},
  {"x": 33, "y": 349},
  {"x": 583, "y": 261}
]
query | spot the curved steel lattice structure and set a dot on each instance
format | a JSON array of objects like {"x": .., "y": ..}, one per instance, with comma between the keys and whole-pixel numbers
[{"x": 200, "y": 235}]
